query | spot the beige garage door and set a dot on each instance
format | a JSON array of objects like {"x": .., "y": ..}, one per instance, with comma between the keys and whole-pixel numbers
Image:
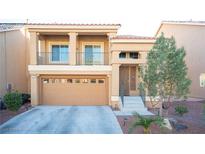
[{"x": 74, "y": 91}]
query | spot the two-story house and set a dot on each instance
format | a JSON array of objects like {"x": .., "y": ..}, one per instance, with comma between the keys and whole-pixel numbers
[{"x": 71, "y": 64}]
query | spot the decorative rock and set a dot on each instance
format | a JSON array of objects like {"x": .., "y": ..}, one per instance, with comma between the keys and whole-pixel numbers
[
  {"x": 180, "y": 127},
  {"x": 167, "y": 124},
  {"x": 172, "y": 121}
]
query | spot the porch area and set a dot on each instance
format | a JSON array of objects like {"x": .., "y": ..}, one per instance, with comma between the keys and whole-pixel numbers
[
  {"x": 71, "y": 49},
  {"x": 131, "y": 105}
]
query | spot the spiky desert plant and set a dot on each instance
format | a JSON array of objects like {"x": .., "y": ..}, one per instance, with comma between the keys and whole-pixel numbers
[{"x": 145, "y": 122}]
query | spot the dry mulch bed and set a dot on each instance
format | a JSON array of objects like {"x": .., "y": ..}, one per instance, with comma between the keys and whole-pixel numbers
[
  {"x": 5, "y": 115},
  {"x": 194, "y": 119}
]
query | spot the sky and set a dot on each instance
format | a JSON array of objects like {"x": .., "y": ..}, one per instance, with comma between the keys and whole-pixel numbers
[{"x": 137, "y": 17}]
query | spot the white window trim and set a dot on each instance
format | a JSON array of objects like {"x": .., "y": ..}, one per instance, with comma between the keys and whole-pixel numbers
[
  {"x": 92, "y": 43},
  {"x": 50, "y": 51},
  {"x": 202, "y": 80}
]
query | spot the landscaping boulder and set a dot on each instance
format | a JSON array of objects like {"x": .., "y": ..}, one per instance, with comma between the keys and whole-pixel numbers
[
  {"x": 180, "y": 127},
  {"x": 176, "y": 125}
]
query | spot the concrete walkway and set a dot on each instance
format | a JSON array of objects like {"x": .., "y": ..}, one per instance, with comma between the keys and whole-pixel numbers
[
  {"x": 64, "y": 120},
  {"x": 133, "y": 104}
]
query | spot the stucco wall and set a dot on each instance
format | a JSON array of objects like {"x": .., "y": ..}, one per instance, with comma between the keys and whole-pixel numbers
[
  {"x": 142, "y": 48},
  {"x": 2, "y": 64},
  {"x": 13, "y": 61},
  {"x": 80, "y": 40},
  {"x": 131, "y": 46},
  {"x": 193, "y": 40},
  {"x": 47, "y": 40}
]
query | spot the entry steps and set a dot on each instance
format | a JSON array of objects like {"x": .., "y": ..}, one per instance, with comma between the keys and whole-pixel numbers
[{"x": 133, "y": 104}]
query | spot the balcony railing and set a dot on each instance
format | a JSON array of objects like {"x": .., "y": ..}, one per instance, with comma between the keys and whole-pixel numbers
[
  {"x": 63, "y": 58},
  {"x": 49, "y": 58},
  {"x": 92, "y": 58}
]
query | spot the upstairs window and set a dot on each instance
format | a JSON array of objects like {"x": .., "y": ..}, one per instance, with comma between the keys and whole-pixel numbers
[
  {"x": 59, "y": 53},
  {"x": 134, "y": 55},
  {"x": 93, "y": 54}
]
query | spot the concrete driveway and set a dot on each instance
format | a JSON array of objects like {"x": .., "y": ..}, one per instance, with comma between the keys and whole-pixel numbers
[{"x": 63, "y": 120}]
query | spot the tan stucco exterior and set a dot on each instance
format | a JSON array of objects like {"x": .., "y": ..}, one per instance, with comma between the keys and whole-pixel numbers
[
  {"x": 191, "y": 37},
  {"x": 13, "y": 68},
  {"x": 127, "y": 46},
  {"x": 26, "y": 72},
  {"x": 21, "y": 48}
]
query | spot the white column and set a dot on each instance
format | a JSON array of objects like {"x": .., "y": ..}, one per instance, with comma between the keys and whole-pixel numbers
[
  {"x": 115, "y": 85},
  {"x": 110, "y": 88},
  {"x": 110, "y": 36},
  {"x": 72, "y": 47},
  {"x": 33, "y": 47}
]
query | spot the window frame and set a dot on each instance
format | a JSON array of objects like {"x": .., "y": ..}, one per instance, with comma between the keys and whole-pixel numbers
[
  {"x": 202, "y": 80},
  {"x": 136, "y": 52},
  {"x": 51, "y": 44},
  {"x": 101, "y": 44},
  {"x": 101, "y": 81},
  {"x": 122, "y": 52}
]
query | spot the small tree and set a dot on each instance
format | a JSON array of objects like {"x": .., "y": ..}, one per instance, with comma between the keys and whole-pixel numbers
[
  {"x": 149, "y": 81},
  {"x": 165, "y": 74}
]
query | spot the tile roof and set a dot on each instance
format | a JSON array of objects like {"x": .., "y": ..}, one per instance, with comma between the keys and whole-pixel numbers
[
  {"x": 72, "y": 24},
  {"x": 133, "y": 37},
  {"x": 8, "y": 27},
  {"x": 184, "y": 22},
  {"x": 188, "y": 22},
  {"x": 13, "y": 26}
]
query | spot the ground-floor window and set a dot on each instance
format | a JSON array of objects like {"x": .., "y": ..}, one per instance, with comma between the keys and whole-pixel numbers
[
  {"x": 202, "y": 80},
  {"x": 122, "y": 55},
  {"x": 134, "y": 55}
]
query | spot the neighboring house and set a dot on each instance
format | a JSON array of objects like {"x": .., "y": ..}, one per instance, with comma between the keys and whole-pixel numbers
[
  {"x": 190, "y": 35},
  {"x": 13, "y": 68},
  {"x": 71, "y": 64}
]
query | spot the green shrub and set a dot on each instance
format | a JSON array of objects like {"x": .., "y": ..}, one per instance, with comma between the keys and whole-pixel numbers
[
  {"x": 13, "y": 101},
  {"x": 25, "y": 98},
  {"x": 181, "y": 110},
  {"x": 146, "y": 122}
]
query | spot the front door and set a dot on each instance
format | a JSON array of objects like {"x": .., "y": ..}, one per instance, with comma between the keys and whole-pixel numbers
[
  {"x": 124, "y": 80},
  {"x": 132, "y": 78},
  {"x": 128, "y": 81}
]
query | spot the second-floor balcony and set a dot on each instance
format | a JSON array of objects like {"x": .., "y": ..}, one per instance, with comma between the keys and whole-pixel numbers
[
  {"x": 65, "y": 57},
  {"x": 53, "y": 58},
  {"x": 92, "y": 58}
]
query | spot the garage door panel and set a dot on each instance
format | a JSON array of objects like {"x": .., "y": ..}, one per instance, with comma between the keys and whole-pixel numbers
[{"x": 65, "y": 93}]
